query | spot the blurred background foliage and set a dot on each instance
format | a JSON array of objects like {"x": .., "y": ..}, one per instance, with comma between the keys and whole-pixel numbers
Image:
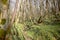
[
  {"x": 4, "y": 1},
  {"x": 35, "y": 20}
]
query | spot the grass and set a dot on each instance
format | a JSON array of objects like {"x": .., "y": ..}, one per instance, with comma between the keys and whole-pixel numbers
[
  {"x": 37, "y": 32},
  {"x": 30, "y": 31},
  {"x": 46, "y": 32}
]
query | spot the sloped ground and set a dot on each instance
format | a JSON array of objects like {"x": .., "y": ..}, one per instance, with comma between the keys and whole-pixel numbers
[{"x": 35, "y": 32}]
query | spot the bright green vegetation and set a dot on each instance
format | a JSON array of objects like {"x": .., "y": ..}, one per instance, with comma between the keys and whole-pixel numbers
[{"x": 36, "y": 32}]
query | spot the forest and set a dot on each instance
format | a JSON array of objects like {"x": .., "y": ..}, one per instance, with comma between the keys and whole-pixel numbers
[{"x": 29, "y": 19}]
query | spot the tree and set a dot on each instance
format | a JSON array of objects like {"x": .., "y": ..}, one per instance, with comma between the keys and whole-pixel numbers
[{"x": 10, "y": 21}]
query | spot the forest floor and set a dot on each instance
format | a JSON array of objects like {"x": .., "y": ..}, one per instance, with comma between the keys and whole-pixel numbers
[
  {"x": 38, "y": 32},
  {"x": 35, "y": 32}
]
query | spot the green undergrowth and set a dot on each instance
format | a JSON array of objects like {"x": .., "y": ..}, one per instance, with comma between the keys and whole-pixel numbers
[
  {"x": 45, "y": 32},
  {"x": 35, "y": 32}
]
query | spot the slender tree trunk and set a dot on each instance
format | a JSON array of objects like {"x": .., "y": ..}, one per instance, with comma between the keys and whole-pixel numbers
[{"x": 13, "y": 15}]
